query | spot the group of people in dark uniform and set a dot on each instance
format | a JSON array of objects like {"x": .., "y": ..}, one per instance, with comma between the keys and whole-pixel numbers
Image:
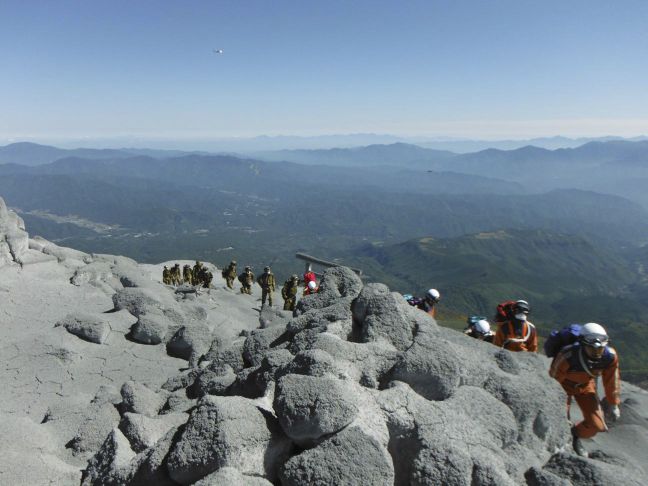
[
  {"x": 199, "y": 275},
  {"x": 196, "y": 276}
]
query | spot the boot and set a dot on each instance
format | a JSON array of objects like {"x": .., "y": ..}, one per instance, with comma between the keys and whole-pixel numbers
[{"x": 577, "y": 444}]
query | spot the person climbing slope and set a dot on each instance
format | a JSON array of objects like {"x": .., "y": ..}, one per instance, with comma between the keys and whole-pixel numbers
[
  {"x": 431, "y": 299},
  {"x": 514, "y": 331},
  {"x": 577, "y": 368}
]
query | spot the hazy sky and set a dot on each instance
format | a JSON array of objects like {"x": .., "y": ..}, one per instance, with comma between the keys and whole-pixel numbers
[{"x": 481, "y": 69}]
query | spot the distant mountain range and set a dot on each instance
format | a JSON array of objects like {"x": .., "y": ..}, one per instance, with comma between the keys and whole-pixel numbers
[
  {"x": 250, "y": 145},
  {"x": 27, "y": 153}
]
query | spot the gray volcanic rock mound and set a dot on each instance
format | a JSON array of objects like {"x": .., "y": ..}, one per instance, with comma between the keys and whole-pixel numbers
[
  {"x": 138, "y": 398},
  {"x": 431, "y": 366},
  {"x": 143, "y": 432},
  {"x": 138, "y": 301},
  {"x": 150, "y": 329},
  {"x": 111, "y": 464},
  {"x": 356, "y": 387},
  {"x": 72, "y": 258},
  {"x": 260, "y": 341},
  {"x": 98, "y": 420},
  {"x": 383, "y": 315},
  {"x": 338, "y": 283},
  {"x": 350, "y": 458},
  {"x": 227, "y": 431},
  {"x": 587, "y": 472},
  {"x": 190, "y": 342},
  {"x": 14, "y": 240},
  {"x": 231, "y": 477},
  {"x": 92, "y": 328},
  {"x": 311, "y": 407}
]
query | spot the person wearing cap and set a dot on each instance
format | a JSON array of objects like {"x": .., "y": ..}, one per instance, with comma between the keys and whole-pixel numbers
[
  {"x": 289, "y": 293},
  {"x": 229, "y": 274},
  {"x": 577, "y": 368},
  {"x": 166, "y": 276},
  {"x": 187, "y": 275},
  {"x": 267, "y": 282},
  {"x": 431, "y": 299},
  {"x": 247, "y": 280},
  {"x": 516, "y": 333},
  {"x": 479, "y": 328}
]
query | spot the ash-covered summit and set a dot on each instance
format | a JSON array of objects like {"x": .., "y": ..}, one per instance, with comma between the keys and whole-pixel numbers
[{"x": 111, "y": 377}]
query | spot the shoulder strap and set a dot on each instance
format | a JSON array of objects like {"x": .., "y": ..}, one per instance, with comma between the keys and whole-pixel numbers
[
  {"x": 583, "y": 362},
  {"x": 519, "y": 340}
]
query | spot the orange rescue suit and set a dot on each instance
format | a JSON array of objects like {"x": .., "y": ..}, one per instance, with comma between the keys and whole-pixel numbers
[
  {"x": 524, "y": 338},
  {"x": 577, "y": 374}
]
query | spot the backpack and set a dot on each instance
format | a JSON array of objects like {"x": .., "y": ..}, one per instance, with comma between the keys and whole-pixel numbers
[
  {"x": 414, "y": 301},
  {"x": 504, "y": 311},
  {"x": 559, "y": 338}
]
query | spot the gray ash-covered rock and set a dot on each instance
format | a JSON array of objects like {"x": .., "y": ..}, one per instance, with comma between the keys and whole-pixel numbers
[
  {"x": 310, "y": 407},
  {"x": 228, "y": 432},
  {"x": 92, "y": 328},
  {"x": 350, "y": 457},
  {"x": 356, "y": 388},
  {"x": 14, "y": 240}
]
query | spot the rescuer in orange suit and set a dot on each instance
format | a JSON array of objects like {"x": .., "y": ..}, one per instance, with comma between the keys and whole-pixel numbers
[
  {"x": 516, "y": 333},
  {"x": 577, "y": 368}
]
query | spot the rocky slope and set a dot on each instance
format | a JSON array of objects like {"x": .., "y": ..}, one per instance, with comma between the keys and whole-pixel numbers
[{"x": 110, "y": 377}]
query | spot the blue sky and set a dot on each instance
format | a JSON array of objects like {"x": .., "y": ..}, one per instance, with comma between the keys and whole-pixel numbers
[{"x": 480, "y": 69}]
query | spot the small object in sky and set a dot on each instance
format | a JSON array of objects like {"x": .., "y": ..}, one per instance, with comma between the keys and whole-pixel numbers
[{"x": 218, "y": 51}]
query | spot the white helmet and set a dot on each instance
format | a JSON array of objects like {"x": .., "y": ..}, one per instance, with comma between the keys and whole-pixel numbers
[
  {"x": 433, "y": 295},
  {"x": 312, "y": 285},
  {"x": 482, "y": 326},
  {"x": 594, "y": 335}
]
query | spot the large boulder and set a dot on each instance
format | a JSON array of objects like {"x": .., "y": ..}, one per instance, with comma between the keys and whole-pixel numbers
[
  {"x": 338, "y": 284},
  {"x": 112, "y": 462},
  {"x": 138, "y": 398},
  {"x": 350, "y": 458},
  {"x": 431, "y": 366},
  {"x": 260, "y": 341},
  {"x": 190, "y": 342},
  {"x": 309, "y": 407},
  {"x": 228, "y": 432},
  {"x": 94, "y": 424},
  {"x": 89, "y": 327},
  {"x": 384, "y": 315},
  {"x": 143, "y": 432},
  {"x": 150, "y": 328}
]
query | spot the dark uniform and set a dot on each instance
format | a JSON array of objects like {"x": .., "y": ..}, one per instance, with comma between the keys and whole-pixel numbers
[
  {"x": 247, "y": 280},
  {"x": 289, "y": 293},
  {"x": 176, "y": 278},
  {"x": 187, "y": 275},
  {"x": 267, "y": 283},
  {"x": 196, "y": 272},
  {"x": 229, "y": 274}
]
